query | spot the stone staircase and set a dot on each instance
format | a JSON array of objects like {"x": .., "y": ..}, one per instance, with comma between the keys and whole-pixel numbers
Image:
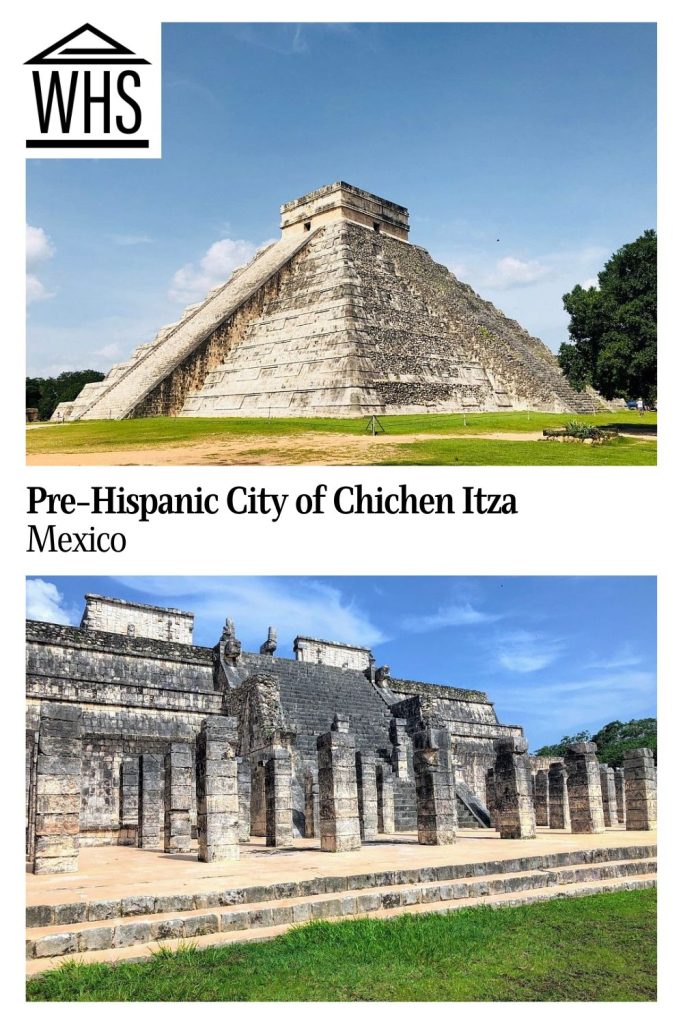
[
  {"x": 127, "y": 384},
  {"x": 132, "y": 927}
]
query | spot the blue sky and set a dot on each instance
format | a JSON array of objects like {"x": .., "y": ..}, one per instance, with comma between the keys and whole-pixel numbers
[
  {"x": 525, "y": 154},
  {"x": 556, "y": 654}
]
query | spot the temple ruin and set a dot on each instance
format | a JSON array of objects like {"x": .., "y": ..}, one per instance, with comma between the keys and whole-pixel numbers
[
  {"x": 137, "y": 735},
  {"x": 342, "y": 316},
  {"x": 144, "y": 744}
]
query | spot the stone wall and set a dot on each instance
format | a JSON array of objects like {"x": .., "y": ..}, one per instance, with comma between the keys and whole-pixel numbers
[
  {"x": 112, "y": 615},
  {"x": 326, "y": 652},
  {"x": 143, "y": 696}
]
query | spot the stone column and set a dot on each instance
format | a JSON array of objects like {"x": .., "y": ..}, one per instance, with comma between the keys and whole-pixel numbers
[
  {"x": 609, "y": 795},
  {"x": 217, "y": 798},
  {"x": 311, "y": 806},
  {"x": 491, "y": 797},
  {"x": 58, "y": 788},
  {"x": 541, "y": 797},
  {"x": 584, "y": 789},
  {"x": 514, "y": 799},
  {"x": 386, "y": 821},
  {"x": 366, "y": 780},
  {"x": 339, "y": 823},
  {"x": 244, "y": 794},
  {"x": 279, "y": 798},
  {"x": 620, "y": 794},
  {"x": 258, "y": 799},
  {"x": 435, "y": 789},
  {"x": 558, "y": 798},
  {"x": 149, "y": 801},
  {"x": 641, "y": 790},
  {"x": 399, "y": 753},
  {"x": 128, "y": 801},
  {"x": 178, "y": 781}
]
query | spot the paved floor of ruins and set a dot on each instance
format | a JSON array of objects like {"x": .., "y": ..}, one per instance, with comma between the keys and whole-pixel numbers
[{"x": 109, "y": 872}]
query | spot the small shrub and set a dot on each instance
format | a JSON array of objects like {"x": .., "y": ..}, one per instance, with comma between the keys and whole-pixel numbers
[{"x": 583, "y": 431}]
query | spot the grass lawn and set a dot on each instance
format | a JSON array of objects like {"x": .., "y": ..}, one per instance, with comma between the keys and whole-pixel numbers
[
  {"x": 623, "y": 451},
  {"x": 590, "y": 948},
  {"x": 110, "y": 435}
]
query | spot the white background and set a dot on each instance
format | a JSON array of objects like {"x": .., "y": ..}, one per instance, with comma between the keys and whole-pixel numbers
[{"x": 571, "y": 520}]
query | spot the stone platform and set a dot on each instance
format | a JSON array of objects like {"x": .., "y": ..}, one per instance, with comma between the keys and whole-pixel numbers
[{"x": 123, "y": 900}]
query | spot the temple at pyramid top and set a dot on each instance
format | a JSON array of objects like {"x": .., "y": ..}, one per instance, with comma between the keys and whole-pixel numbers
[
  {"x": 342, "y": 201},
  {"x": 342, "y": 316}
]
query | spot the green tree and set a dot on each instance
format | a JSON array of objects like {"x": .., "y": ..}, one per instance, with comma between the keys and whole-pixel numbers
[
  {"x": 612, "y": 740},
  {"x": 617, "y": 737},
  {"x": 45, "y": 393},
  {"x": 614, "y": 327},
  {"x": 560, "y": 749}
]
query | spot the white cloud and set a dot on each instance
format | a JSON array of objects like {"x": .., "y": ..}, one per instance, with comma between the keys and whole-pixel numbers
[
  {"x": 564, "y": 707},
  {"x": 625, "y": 657},
  {"x": 592, "y": 282},
  {"x": 47, "y": 604},
  {"x": 38, "y": 246},
  {"x": 54, "y": 348},
  {"x": 450, "y": 615},
  {"x": 194, "y": 280},
  {"x": 511, "y": 272},
  {"x": 36, "y": 290},
  {"x": 126, "y": 240},
  {"x": 527, "y": 652},
  {"x": 38, "y": 249},
  {"x": 297, "y": 607},
  {"x": 109, "y": 351}
]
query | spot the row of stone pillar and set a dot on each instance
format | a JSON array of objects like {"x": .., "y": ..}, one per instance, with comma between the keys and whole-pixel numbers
[
  {"x": 356, "y": 791},
  {"x": 579, "y": 794}
]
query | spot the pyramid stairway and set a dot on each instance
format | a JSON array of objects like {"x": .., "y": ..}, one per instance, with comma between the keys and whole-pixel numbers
[{"x": 134, "y": 926}]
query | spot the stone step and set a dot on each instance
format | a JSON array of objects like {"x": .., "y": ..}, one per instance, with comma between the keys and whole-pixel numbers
[
  {"x": 261, "y": 932},
  {"x": 151, "y": 920},
  {"x": 127, "y": 390},
  {"x": 43, "y": 914}
]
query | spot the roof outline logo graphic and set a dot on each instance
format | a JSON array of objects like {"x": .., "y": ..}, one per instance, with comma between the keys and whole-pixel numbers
[{"x": 113, "y": 53}]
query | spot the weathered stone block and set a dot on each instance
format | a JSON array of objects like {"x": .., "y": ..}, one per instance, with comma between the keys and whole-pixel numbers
[
  {"x": 96, "y": 938},
  {"x": 434, "y": 782},
  {"x": 514, "y": 798},
  {"x": 217, "y": 814},
  {"x": 133, "y": 934},
  {"x": 234, "y": 920},
  {"x": 171, "y": 928},
  {"x": 339, "y": 820},
  {"x": 640, "y": 790},
  {"x": 584, "y": 788},
  {"x": 69, "y": 913},
  {"x": 57, "y": 945},
  {"x": 104, "y": 910},
  {"x": 201, "y": 924}
]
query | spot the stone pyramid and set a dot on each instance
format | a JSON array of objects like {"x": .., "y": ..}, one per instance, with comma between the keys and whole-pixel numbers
[{"x": 342, "y": 316}]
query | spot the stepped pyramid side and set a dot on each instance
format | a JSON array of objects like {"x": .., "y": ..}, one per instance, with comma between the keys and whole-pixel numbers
[
  {"x": 364, "y": 323},
  {"x": 127, "y": 384},
  {"x": 341, "y": 317}
]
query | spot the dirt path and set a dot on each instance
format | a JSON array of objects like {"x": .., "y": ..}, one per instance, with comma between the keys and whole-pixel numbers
[{"x": 311, "y": 448}]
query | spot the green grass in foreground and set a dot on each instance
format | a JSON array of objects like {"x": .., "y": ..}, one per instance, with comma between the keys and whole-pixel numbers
[
  {"x": 593, "y": 948},
  {"x": 620, "y": 452},
  {"x": 107, "y": 435}
]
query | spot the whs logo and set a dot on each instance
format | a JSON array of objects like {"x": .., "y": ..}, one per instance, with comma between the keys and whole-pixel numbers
[{"x": 90, "y": 95}]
